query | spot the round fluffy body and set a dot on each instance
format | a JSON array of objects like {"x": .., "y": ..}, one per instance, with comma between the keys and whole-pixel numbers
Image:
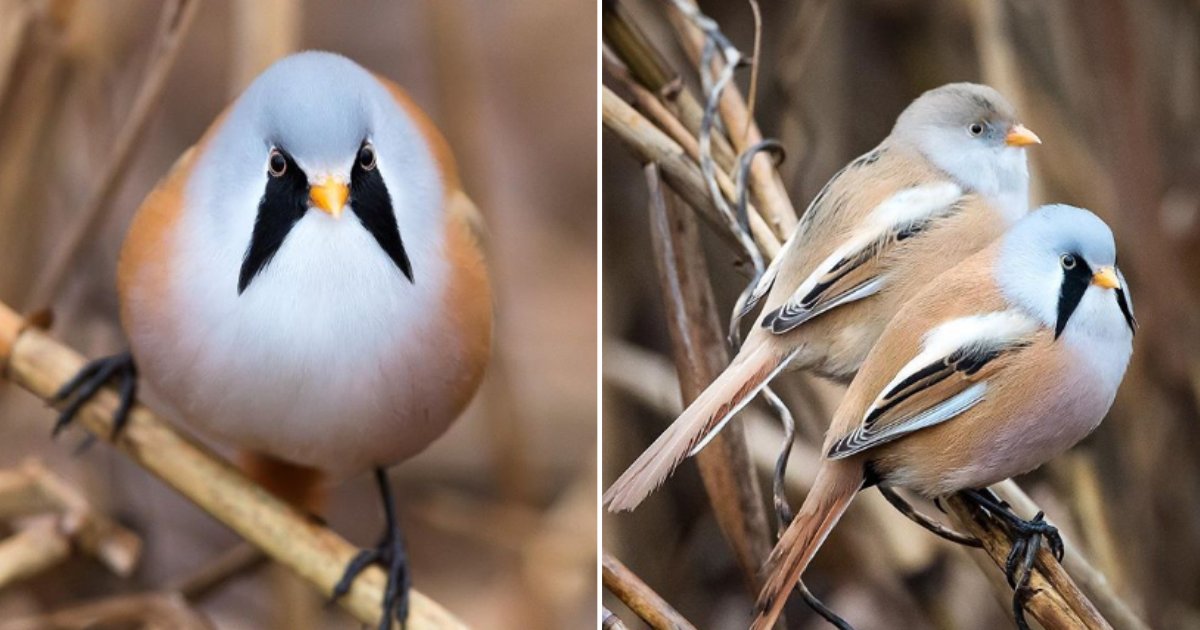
[{"x": 331, "y": 357}]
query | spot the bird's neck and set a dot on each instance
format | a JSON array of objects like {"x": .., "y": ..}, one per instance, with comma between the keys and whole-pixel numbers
[{"x": 1002, "y": 179}]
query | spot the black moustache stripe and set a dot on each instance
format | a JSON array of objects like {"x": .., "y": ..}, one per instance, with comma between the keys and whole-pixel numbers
[
  {"x": 283, "y": 203},
  {"x": 372, "y": 204},
  {"x": 1075, "y": 282},
  {"x": 1123, "y": 302}
]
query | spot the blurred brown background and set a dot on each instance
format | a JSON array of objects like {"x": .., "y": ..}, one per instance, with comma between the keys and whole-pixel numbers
[
  {"x": 1113, "y": 88},
  {"x": 500, "y": 513}
]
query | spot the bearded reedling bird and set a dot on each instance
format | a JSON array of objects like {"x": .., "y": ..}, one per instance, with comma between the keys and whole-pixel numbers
[
  {"x": 1002, "y": 363},
  {"x": 949, "y": 179},
  {"x": 306, "y": 284}
]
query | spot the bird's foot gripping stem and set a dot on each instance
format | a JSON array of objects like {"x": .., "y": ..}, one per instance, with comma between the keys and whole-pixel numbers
[
  {"x": 84, "y": 385},
  {"x": 1027, "y": 538},
  {"x": 390, "y": 554}
]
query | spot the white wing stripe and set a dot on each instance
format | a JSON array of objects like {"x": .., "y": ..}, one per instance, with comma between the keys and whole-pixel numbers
[
  {"x": 901, "y": 209},
  {"x": 995, "y": 328}
]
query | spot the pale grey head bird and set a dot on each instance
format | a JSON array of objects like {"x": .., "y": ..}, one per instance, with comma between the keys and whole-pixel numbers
[
  {"x": 949, "y": 179},
  {"x": 998, "y": 365},
  {"x": 306, "y": 284}
]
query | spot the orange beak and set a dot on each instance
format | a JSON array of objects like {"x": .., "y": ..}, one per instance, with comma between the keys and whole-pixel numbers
[
  {"x": 1106, "y": 277},
  {"x": 1020, "y": 136},
  {"x": 330, "y": 197}
]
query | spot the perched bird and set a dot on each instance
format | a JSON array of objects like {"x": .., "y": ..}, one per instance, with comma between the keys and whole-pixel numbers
[
  {"x": 306, "y": 284},
  {"x": 949, "y": 179},
  {"x": 1005, "y": 361}
]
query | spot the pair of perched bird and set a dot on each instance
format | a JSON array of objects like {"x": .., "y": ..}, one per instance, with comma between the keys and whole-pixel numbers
[
  {"x": 307, "y": 284},
  {"x": 979, "y": 339}
]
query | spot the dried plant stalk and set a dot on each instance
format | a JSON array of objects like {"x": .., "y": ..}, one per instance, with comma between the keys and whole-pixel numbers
[
  {"x": 650, "y": 144},
  {"x": 765, "y": 183},
  {"x": 33, "y": 549},
  {"x": 700, "y": 355},
  {"x": 41, "y": 365},
  {"x": 33, "y": 489},
  {"x": 1056, "y": 602},
  {"x": 640, "y": 598},
  {"x": 648, "y": 68},
  {"x": 176, "y": 20},
  {"x": 153, "y": 610},
  {"x": 1090, "y": 579}
]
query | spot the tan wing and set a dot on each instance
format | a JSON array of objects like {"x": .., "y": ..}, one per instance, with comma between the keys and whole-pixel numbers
[
  {"x": 839, "y": 252},
  {"x": 947, "y": 378},
  {"x": 934, "y": 359}
]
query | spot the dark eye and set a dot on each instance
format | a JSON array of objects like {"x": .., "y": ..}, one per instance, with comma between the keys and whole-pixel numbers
[
  {"x": 366, "y": 157},
  {"x": 1068, "y": 261},
  {"x": 975, "y": 129},
  {"x": 276, "y": 163}
]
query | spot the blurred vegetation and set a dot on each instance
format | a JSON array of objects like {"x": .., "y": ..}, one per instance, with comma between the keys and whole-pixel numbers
[
  {"x": 500, "y": 513},
  {"x": 1113, "y": 89}
]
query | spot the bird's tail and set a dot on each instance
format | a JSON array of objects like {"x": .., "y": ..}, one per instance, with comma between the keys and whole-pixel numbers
[
  {"x": 300, "y": 486},
  {"x": 749, "y": 372},
  {"x": 836, "y": 484}
]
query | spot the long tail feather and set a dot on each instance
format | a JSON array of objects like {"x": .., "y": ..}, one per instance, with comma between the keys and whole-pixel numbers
[
  {"x": 752, "y": 369},
  {"x": 836, "y": 484}
]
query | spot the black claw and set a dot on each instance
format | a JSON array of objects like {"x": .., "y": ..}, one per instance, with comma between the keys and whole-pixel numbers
[
  {"x": 363, "y": 559},
  {"x": 1015, "y": 555},
  {"x": 1021, "y": 590},
  {"x": 391, "y": 554},
  {"x": 83, "y": 375},
  {"x": 128, "y": 392},
  {"x": 1027, "y": 539},
  {"x": 90, "y": 379}
]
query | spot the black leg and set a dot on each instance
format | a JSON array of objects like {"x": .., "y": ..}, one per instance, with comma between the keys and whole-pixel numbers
[
  {"x": 1027, "y": 537},
  {"x": 391, "y": 554},
  {"x": 95, "y": 375},
  {"x": 905, "y": 508}
]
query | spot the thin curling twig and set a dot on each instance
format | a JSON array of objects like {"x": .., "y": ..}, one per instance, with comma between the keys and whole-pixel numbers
[
  {"x": 652, "y": 107},
  {"x": 713, "y": 87},
  {"x": 648, "y": 67},
  {"x": 769, "y": 192},
  {"x": 41, "y": 365},
  {"x": 741, "y": 306},
  {"x": 783, "y": 511},
  {"x": 650, "y": 144},
  {"x": 755, "y": 66},
  {"x": 821, "y": 609},
  {"x": 176, "y": 21}
]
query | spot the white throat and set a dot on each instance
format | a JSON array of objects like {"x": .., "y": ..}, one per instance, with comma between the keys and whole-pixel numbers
[{"x": 1000, "y": 176}]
